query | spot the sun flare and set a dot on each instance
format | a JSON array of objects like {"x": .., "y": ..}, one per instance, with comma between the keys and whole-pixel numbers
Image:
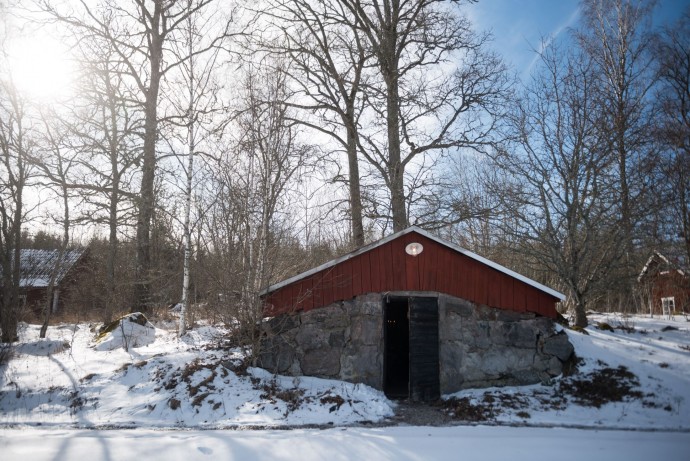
[{"x": 41, "y": 67}]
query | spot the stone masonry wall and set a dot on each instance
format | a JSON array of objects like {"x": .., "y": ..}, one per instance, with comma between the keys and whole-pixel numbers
[
  {"x": 478, "y": 346},
  {"x": 482, "y": 346},
  {"x": 342, "y": 341}
]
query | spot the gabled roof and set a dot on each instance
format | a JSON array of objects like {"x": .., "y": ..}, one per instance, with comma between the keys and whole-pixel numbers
[
  {"x": 657, "y": 258},
  {"x": 426, "y": 234},
  {"x": 36, "y": 266}
]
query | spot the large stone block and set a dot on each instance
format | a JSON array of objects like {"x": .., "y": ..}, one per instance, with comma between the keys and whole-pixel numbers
[
  {"x": 336, "y": 339},
  {"x": 329, "y": 317},
  {"x": 370, "y": 304},
  {"x": 514, "y": 334},
  {"x": 276, "y": 355},
  {"x": 505, "y": 315},
  {"x": 312, "y": 337},
  {"x": 366, "y": 329},
  {"x": 477, "y": 335},
  {"x": 324, "y": 363},
  {"x": 459, "y": 307},
  {"x": 451, "y": 354},
  {"x": 363, "y": 364},
  {"x": 281, "y": 324},
  {"x": 559, "y": 346},
  {"x": 553, "y": 366}
]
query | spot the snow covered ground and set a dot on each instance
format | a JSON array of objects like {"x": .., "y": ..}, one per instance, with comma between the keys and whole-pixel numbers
[
  {"x": 372, "y": 444},
  {"x": 654, "y": 350},
  {"x": 67, "y": 380},
  {"x": 168, "y": 399}
]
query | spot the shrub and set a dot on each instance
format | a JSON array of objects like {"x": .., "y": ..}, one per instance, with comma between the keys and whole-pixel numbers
[{"x": 6, "y": 353}]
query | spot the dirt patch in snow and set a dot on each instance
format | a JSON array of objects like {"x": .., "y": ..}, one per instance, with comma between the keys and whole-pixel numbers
[{"x": 409, "y": 413}]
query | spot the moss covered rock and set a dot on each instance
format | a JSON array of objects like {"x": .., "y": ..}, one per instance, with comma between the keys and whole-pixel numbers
[{"x": 131, "y": 330}]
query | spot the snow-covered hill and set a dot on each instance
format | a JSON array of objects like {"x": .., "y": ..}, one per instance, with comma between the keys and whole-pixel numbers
[
  {"x": 56, "y": 391},
  {"x": 69, "y": 379}
]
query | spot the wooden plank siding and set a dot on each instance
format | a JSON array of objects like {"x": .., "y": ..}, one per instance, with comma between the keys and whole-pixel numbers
[{"x": 387, "y": 267}]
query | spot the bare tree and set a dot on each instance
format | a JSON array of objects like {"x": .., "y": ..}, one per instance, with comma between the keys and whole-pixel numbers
[
  {"x": 673, "y": 95},
  {"x": 197, "y": 104},
  {"x": 104, "y": 128},
  {"x": 328, "y": 60},
  {"x": 55, "y": 165},
  {"x": 616, "y": 36},
  {"x": 426, "y": 108},
  {"x": 15, "y": 146},
  {"x": 252, "y": 183},
  {"x": 559, "y": 203},
  {"x": 139, "y": 33}
]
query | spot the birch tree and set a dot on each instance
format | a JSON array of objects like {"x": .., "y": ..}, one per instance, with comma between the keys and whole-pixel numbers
[
  {"x": 250, "y": 214},
  {"x": 197, "y": 108},
  {"x": 616, "y": 35},
  {"x": 673, "y": 94}
]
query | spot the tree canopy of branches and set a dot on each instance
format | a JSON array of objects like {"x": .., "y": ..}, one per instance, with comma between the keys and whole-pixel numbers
[
  {"x": 225, "y": 146},
  {"x": 616, "y": 35},
  {"x": 559, "y": 192},
  {"x": 674, "y": 130}
]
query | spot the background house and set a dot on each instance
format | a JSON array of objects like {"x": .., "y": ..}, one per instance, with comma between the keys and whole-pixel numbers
[
  {"x": 36, "y": 269},
  {"x": 665, "y": 287}
]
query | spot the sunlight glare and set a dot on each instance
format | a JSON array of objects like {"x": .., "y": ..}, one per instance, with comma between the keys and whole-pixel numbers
[{"x": 41, "y": 67}]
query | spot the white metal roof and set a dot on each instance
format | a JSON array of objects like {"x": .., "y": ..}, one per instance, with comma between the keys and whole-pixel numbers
[{"x": 426, "y": 234}]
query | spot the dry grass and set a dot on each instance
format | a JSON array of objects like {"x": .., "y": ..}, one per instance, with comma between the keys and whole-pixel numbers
[
  {"x": 463, "y": 409},
  {"x": 602, "y": 386}
]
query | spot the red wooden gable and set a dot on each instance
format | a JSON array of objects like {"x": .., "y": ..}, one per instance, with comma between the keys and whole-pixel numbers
[
  {"x": 384, "y": 266},
  {"x": 665, "y": 280}
]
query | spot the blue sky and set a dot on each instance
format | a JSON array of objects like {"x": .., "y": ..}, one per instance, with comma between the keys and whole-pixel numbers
[{"x": 519, "y": 25}]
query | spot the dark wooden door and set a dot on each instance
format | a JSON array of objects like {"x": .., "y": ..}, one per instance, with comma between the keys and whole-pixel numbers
[
  {"x": 424, "y": 367},
  {"x": 396, "y": 374}
]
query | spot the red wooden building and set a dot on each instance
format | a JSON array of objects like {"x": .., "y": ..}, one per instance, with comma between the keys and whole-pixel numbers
[
  {"x": 412, "y": 260},
  {"x": 665, "y": 286},
  {"x": 416, "y": 317}
]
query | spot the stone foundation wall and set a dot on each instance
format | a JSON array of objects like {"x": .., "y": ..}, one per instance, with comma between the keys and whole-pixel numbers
[
  {"x": 478, "y": 346},
  {"x": 482, "y": 346},
  {"x": 341, "y": 341}
]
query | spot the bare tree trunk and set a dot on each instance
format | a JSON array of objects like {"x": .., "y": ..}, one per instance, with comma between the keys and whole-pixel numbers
[
  {"x": 13, "y": 160},
  {"x": 112, "y": 246},
  {"x": 146, "y": 196},
  {"x": 406, "y": 40},
  {"x": 580, "y": 314},
  {"x": 354, "y": 189},
  {"x": 182, "y": 328},
  {"x": 59, "y": 260},
  {"x": 396, "y": 171},
  {"x": 323, "y": 46}
]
